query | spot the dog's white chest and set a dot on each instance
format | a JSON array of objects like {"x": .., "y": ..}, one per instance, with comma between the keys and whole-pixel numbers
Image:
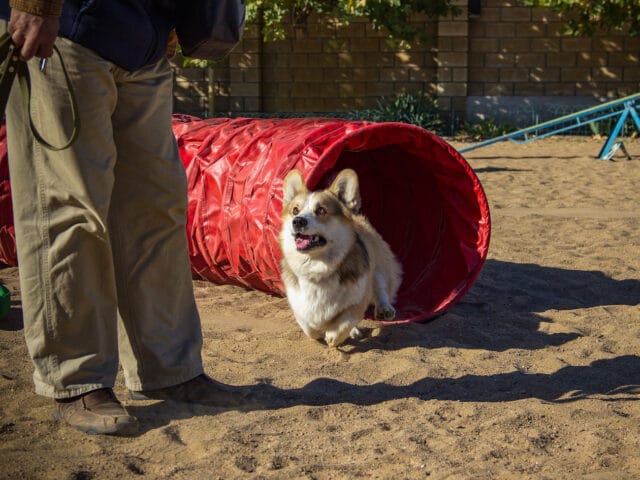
[{"x": 317, "y": 303}]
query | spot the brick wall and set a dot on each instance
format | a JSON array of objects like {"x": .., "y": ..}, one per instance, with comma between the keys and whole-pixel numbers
[
  {"x": 520, "y": 51},
  {"x": 190, "y": 90},
  {"x": 321, "y": 67},
  {"x": 523, "y": 70},
  {"x": 325, "y": 67},
  {"x": 508, "y": 60}
]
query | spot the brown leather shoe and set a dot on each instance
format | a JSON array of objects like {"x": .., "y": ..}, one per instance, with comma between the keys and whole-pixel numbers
[
  {"x": 200, "y": 390},
  {"x": 98, "y": 412}
]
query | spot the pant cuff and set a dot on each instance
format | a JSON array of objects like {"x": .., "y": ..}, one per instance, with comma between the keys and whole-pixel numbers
[{"x": 168, "y": 381}]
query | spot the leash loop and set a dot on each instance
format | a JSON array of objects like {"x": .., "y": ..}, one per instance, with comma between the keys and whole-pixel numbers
[{"x": 11, "y": 67}]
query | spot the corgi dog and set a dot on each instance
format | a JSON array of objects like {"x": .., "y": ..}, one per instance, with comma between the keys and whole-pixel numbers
[{"x": 334, "y": 263}]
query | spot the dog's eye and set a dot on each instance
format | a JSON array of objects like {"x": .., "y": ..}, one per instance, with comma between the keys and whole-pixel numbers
[
  {"x": 321, "y": 211},
  {"x": 295, "y": 210}
]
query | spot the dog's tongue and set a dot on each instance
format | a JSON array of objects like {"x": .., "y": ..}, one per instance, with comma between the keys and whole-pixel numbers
[{"x": 303, "y": 241}]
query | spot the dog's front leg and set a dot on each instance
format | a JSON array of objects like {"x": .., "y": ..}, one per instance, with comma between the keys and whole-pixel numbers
[
  {"x": 344, "y": 326},
  {"x": 309, "y": 331}
]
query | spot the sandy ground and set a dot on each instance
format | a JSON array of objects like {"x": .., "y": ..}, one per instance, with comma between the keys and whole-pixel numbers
[{"x": 535, "y": 374}]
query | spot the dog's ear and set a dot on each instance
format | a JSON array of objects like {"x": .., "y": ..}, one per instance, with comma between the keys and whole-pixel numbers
[
  {"x": 346, "y": 188},
  {"x": 293, "y": 185}
]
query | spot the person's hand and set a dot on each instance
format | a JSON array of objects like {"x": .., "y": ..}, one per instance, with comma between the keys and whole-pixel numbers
[{"x": 34, "y": 34}]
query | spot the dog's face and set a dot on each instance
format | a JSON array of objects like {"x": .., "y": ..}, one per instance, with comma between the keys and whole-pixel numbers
[{"x": 317, "y": 222}]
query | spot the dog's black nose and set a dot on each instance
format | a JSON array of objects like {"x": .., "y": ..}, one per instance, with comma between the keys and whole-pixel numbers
[{"x": 299, "y": 223}]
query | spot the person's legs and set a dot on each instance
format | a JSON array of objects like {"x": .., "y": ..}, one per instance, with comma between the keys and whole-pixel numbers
[
  {"x": 117, "y": 193},
  {"x": 160, "y": 334},
  {"x": 60, "y": 201}
]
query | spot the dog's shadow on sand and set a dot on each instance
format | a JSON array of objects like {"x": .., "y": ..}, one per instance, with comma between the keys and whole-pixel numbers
[
  {"x": 610, "y": 379},
  {"x": 506, "y": 308},
  {"x": 615, "y": 379}
]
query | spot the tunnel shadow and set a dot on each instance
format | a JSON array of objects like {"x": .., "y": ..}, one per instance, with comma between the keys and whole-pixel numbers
[{"x": 505, "y": 309}]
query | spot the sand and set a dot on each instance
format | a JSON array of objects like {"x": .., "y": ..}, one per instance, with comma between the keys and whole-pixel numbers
[{"x": 535, "y": 374}]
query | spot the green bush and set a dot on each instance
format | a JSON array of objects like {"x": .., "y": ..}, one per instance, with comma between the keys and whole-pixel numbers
[
  {"x": 604, "y": 127},
  {"x": 487, "y": 129},
  {"x": 420, "y": 110},
  {"x": 415, "y": 109}
]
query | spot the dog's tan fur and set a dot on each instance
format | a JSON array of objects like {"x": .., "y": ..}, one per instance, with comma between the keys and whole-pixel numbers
[{"x": 334, "y": 263}]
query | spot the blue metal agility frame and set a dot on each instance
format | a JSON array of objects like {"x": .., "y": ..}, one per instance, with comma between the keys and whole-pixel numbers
[{"x": 620, "y": 108}]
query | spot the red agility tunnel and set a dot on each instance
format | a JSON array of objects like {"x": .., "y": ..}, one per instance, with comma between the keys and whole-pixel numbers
[
  {"x": 8, "y": 253},
  {"x": 417, "y": 191}
]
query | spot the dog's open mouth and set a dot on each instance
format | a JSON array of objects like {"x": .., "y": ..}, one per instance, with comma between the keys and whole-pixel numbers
[{"x": 308, "y": 242}]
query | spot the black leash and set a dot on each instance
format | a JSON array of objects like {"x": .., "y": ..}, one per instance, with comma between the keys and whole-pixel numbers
[{"x": 12, "y": 67}]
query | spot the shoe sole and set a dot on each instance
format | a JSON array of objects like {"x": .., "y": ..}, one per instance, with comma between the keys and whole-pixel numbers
[{"x": 140, "y": 396}]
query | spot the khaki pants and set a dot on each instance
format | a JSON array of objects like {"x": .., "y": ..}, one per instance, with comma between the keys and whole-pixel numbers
[{"x": 100, "y": 227}]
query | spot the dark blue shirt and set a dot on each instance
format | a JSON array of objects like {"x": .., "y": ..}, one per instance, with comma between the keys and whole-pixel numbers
[{"x": 129, "y": 33}]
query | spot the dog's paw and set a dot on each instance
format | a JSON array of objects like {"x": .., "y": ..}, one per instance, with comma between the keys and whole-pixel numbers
[
  {"x": 332, "y": 339},
  {"x": 355, "y": 334},
  {"x": 385, "y": 312},
  {"x": 335, "y": 338}
]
